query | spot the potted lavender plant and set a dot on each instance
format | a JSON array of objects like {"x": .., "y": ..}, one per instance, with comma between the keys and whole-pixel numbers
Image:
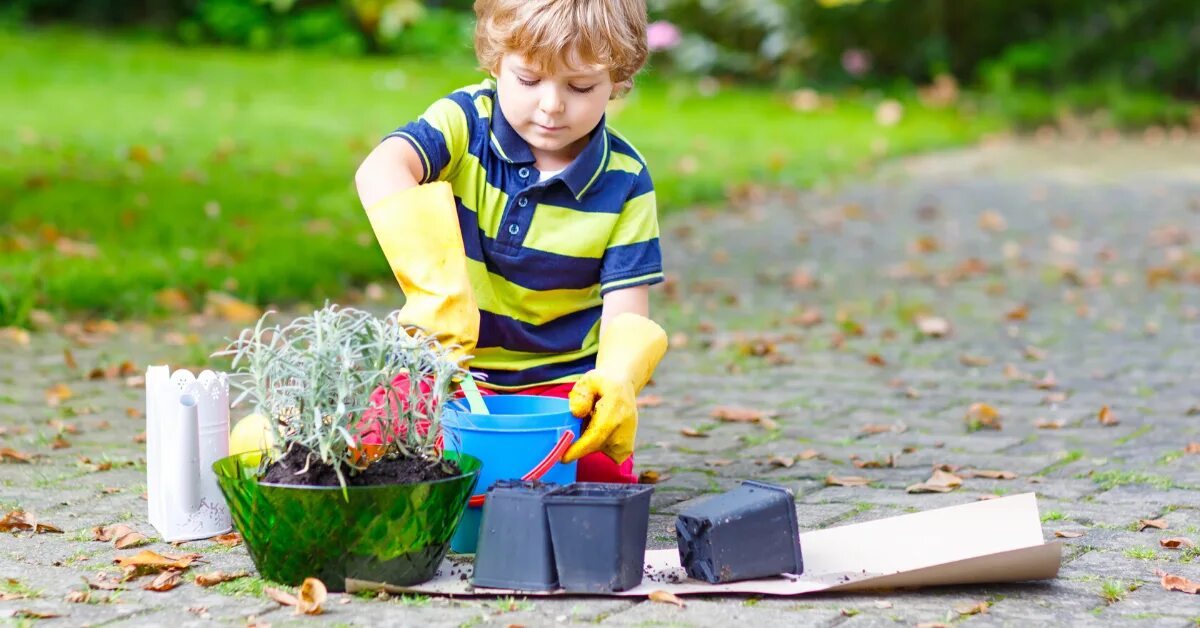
[{"x": 321, "y": 502}]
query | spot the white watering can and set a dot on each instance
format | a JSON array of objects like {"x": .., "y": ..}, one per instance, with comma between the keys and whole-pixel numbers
[{"x": 187, "y": 430}]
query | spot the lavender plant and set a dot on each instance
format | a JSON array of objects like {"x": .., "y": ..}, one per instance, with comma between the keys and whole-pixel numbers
[{"x": 324, "y": 380}]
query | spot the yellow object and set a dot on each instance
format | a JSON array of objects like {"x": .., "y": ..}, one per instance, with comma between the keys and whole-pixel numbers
[
  {"x": 418, "y": 231},
  {"x": 252, "y": 434},
  {"x": 630, "y": 347}
]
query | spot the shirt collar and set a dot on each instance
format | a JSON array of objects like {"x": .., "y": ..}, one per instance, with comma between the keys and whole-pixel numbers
[{"x": 582, "y": 172}]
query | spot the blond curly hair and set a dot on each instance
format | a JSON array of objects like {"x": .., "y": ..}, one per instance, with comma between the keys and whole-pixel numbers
[{"x": 555, "y": 35}]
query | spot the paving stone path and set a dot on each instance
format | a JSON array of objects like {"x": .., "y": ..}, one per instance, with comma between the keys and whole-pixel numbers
[{"x": 1066, "y": 278}]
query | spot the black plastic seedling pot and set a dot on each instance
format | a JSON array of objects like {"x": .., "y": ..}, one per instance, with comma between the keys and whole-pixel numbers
[
  {"x": 748, "y": 532},
  {"x": 514, "y": 549},
  {"x": 599, "y": 533}
]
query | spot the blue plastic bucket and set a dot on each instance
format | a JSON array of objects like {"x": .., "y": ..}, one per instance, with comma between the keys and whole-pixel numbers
[{"x": 521, "y": 432}]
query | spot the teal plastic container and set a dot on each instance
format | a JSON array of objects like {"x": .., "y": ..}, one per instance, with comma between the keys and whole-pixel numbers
[{"x": 522, "y": 439}]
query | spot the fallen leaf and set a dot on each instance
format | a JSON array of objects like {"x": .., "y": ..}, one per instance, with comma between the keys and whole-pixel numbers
[
  {"x": 12, "y": 455},
  {"x": 992, "y": 221},
  {"x": 846, "y": 480},
  {"x": 933, "y": 326},
  {"x": 1176, "y": 542},
  {"x": 882, "y": 604},
  {"x": 768, "y": 424},
  {"x": 1012, "y": 372},
  {"x": 134, "y": 413},
  {"x": 165, "y": 581},
  {"x": 1159, "y": 524},
  {"x": 57, "y": 394},
  {"x": 230, "y": 539},
  {"x": 874, "y": 359},
  {"x": 1178, "y": 583},
  {"x": 649, "y": 477},
  {"x": 665, "y": 597},
  {"x": 781, "y": 461},
  {"x": 912, "y": 393},
  {"x": 108, "y": 533},
  {"x": 217, "y": 577},
  {"x": 940, "y": 482},
  {"x": 1034, "y": 354},
  {"x": 1018, "y": 313},
  {"x": 1106, "y": 417},
  {"x": 1054, "y": 398},
  {"x": 737, "y": 415},
  {"x": 25, "y": 613},
  {"x": 719, "y": 462},
  {"x": 147, "y": 561},
  {"x": 140, "y": 437},
  {"x": 1192, "y": 448},
  {"x": 983, "y": 416},
  {"x": 649, "y": 401},
  {"x": 810, "y": 317},
  {"x": 881, "y": 428},
  {"x": 132, "y": 539},
  {"x": 79, "y": 597},
  {"x": 971, "y": 608},
  {"x": 967, "y": 359},
  {"x": 1064, "y": 534},
  {"x": 69, "y": 359},
  {"x": 103, "y": 582},
  {"x": 993, "y": 475},
  {"x": 311, "y": 596},
  {"x": 889, "y": 462},
  {"x": 59, "y": 443},
  {"x": 280, "y": 596},
  {"x": 20, "y": 520},
  {"x": 1046, "y": 424},
  {"x": 231, "y": 309},
  {"x": 1046, "y": 383},
  {"x": 808, "y": 454},
  {"x": 14, "y": 335}
]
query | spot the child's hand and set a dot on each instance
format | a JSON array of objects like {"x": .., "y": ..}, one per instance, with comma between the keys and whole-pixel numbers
[{"x": 630, "y": 347}]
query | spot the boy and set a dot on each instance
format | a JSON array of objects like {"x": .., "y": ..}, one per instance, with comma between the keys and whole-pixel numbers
[{"x": 524, "y": 230}]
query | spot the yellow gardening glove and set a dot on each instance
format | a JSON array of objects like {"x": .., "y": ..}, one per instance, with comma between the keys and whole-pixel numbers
[
  {"x": 630, "y": 347},
  {"x": 418, "y": 231}
]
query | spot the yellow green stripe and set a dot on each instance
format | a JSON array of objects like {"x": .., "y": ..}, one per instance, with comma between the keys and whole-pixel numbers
[
  {"x": 536, "y": 307},
  {"x": 613, "y": 285}
]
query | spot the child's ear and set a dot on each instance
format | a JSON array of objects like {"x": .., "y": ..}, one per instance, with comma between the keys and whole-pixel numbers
[{"x": 620, "y": 88}]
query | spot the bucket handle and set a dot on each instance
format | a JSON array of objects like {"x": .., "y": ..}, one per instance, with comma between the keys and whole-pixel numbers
[{"x": 556, "y": 454}]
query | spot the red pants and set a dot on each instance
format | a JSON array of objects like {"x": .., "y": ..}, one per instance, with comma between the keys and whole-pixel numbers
[{"x": 594, "y": 467}]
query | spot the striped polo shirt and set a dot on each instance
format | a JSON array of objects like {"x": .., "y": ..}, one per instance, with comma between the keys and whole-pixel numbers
[{"x": 540, "y": 254}]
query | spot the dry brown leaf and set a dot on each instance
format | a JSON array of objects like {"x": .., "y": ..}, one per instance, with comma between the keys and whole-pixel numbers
[
  {"x": 140, "y": 437},
  {"x": 59, "y": 443},
  {"x": 217, "y": 577},
  {"x": 132, "y": 539},
  {"x": 719, "y": 462},
  {"x": 693, "y": 433},
  {"x": 665, "y": 597},
  {"x": 311, "y": 596},
  {"x": 874, "y": 359},
  {"x": 940, "y": 482},
  {"x": 230, "y": 539},
  {"x": 20, "y": 520},
  {"x": 69, "y": 359},
  {"x": 1035, "y": 354},
  {"x": 280, "y": 596},
  {"x": 57, "y": 394},
  {"x": 231, "y": 309},
  {"x": 11, "y": 455},
  {"x": 983, "y": 416},
  {"x": 1158, "y": 524},
  {"x": 1176, "y": 542},
  {"x": 967, "y": 359},
  {"x": 1046, "y": 383},
  {"x": 14, "y": 335},
  {"x": 649, "y": 401},
  {"x": 1064, "y": 534},
  {"x": 25, "y": 613},
  {"x": 933, "y": 326},
  {"x": 810, "y": 317},
  {"x": 147, "y": 561},
  {"x": 1054, "y": 398},
  {"x": 1106, "y": 417},
  {"x": 1177, "y": 583},
  {"x": 1018, "y": 313},
  {"x": 971, "y": 608},
  {"x": 103, "y": 582},
  {"x": 781, "y": 461},
  {"x": 808, "y": 454},
  {"x": 1046, "y": 424},
  {"x": 165, "y": 581},
  {"x": 993, "y": 475},
  {"x": 992, "y": 221},
  {"x": 649, "y": 476},
  {"x": 1012, "y": 372},
  {"x": 79, "y": 597},
  {"x": 108, "y": 533},
  {"x": 890, "y": 461},
  {"x": 737, "y": 415},
  {"x": 1192, "y": 448},
  {"x": 879, "y": 428},
  {"x": 846, "y": 480}
]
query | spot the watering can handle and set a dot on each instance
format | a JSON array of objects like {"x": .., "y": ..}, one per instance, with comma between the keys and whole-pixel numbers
[{"x": 538, "y": 471}]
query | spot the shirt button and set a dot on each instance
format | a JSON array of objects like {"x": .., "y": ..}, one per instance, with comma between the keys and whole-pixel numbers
[
  {"x": 524, "y": 173},
  {"x": 522, "y": 201},
  {"x": 514, "y": 229}
]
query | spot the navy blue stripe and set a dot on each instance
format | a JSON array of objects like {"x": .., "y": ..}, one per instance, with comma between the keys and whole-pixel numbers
[
  {"x": 530, "y": 268},
  {"x": 561, "y": 335},
  {"x": 643, "y": 184},
  {"x": 538, "y": 374},
  {"x": 631, "y": 260}
]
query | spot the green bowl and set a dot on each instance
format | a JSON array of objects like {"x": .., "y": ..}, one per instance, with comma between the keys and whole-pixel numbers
[{"x": 394, "y": 533}]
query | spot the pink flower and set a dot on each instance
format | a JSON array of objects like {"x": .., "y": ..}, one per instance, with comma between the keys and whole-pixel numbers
[
  {"x": 662, "y": 35},
  {"x": 856, "y": 62}
]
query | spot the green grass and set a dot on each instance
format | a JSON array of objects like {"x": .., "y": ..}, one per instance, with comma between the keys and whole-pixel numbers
[
  {"x": 1141, "y": 553},
  {"x": 128, "y": 167},
  {"x": 1114, "y": 591},
  {"x": 1113, "y": 479},
  {"x": 1053, "y": 515}
]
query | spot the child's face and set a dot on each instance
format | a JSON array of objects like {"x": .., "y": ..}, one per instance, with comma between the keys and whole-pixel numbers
[{"x": 552, "y": 113}]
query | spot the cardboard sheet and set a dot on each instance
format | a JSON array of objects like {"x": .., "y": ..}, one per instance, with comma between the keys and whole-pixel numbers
[{"x": 998, "y": 540}]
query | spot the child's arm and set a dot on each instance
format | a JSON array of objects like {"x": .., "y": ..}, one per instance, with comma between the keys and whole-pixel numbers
[
  {"x": 635, "y": 300},
  {"x": 392, "y": 167}
]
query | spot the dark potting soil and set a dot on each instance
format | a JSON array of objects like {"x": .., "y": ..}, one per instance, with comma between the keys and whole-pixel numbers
[{"x": 382, "y": 471}]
